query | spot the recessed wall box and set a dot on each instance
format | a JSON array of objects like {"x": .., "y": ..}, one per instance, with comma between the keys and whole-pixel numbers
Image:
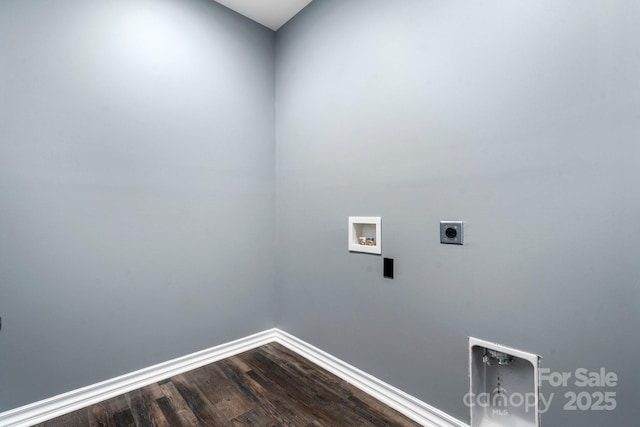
[
  {"x": 503, "y": 386},
  {"x": 365, "y": 234}
]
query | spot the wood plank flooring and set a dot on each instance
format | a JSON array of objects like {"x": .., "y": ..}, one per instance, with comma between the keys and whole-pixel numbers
[{"x": 266, "y": 387}]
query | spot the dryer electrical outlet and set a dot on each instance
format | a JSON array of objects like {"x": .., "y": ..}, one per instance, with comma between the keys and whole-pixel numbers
[{"x": 451, "y": 232}]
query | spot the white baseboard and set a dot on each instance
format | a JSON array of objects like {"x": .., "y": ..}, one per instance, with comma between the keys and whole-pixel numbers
[
  {"x": 56, "y": 406},
  {"x": 62, "y": 404},
  {"x": 407, "y": 405}
]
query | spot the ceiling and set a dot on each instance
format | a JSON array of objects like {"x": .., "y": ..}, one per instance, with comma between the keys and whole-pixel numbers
[{"x": 270, "y": 13}]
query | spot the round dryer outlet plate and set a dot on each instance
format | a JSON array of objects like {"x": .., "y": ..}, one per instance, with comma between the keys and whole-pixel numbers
[{"x": 451, "y": 232}]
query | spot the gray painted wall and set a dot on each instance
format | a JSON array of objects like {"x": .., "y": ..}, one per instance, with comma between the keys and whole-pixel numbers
[
  {"x": 520, "y": 118},
  {"x": 136, "y": 187}
]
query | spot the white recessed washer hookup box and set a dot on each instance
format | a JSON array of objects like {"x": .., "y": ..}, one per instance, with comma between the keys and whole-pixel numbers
[
  {"x": 504, "y": 386},
  {"x": 365, "y": 234}
]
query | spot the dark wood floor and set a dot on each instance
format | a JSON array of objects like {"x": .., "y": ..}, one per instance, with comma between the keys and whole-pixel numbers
[{"x": 268, "y": 386}]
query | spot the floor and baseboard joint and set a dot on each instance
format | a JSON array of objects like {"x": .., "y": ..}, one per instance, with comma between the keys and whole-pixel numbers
[{"x": 65, "y": 403}]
